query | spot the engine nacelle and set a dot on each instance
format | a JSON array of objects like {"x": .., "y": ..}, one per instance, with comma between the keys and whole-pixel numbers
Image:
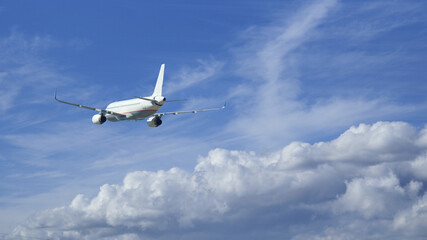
[
  {"x": 99, "y": 119},
  {"x": 154, "y": 121}
]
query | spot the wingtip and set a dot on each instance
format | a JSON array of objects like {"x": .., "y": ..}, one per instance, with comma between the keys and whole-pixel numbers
[
  {"x": 225, "y": 104},
  {"x": 55, "y": 94}
]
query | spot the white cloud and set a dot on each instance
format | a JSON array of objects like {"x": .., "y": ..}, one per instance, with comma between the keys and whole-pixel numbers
[
  {"x": 373, "y": 197},
  {"x": 264, "y": 57},
  {"x": 412, "y": 221},
  {"x": 188, "y": 77},
  {"x": 304, "y": 187},
  {"x": 268, "y": 104}
]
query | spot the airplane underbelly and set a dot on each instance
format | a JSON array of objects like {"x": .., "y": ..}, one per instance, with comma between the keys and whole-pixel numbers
[
  {"x": 132, "y": 115},
  {"x": 142, "y": 114}
]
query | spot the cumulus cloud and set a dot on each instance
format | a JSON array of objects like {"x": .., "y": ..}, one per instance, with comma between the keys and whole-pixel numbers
[
  {"x": 360, "y": 185},
  {"x": 413, "y": 219},
  {"x": 375, "y": 196}
]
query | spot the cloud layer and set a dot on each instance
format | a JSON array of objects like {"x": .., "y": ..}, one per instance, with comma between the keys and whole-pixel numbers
[{"x": 367, "y": 183}]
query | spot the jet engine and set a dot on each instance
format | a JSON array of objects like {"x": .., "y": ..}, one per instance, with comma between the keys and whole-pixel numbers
[
  {"x": 99, "y": 119},
  {"x": 154, "y": 121}
]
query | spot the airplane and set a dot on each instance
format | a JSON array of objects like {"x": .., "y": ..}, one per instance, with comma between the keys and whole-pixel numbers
[{"x": 138, "y": 108}]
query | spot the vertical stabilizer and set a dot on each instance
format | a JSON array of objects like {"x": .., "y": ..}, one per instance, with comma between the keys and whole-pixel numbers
[{"x": 159, "y": 83}]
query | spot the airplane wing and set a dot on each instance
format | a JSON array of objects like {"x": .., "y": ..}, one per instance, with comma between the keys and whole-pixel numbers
[
  {"x": 192, "y": 111},
  {"x": 91, "y": 108}
]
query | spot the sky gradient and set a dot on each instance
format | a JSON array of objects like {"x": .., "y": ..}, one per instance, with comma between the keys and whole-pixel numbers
[{"x": 323, "y": 136}]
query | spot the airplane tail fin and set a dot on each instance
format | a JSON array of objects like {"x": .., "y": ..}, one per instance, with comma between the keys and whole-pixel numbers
[{"x": 159, "y": 83}]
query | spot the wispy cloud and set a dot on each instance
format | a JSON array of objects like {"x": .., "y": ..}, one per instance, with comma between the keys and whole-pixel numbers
[
  {"x": 383, "y": 17},
  {"x": 24, "y": 73},
  {"x": 48, "y": 174},
  {"x": 275, "y": 95},
  {"x": 263, "y": 57},
  {"x": 189, "y": 77}
]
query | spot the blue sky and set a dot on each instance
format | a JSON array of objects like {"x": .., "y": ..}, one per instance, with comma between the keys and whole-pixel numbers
[{"x": 313, "y": 88}]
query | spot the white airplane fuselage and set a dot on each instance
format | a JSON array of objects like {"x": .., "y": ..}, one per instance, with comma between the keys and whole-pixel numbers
[{"x": 133, "y": 109}]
